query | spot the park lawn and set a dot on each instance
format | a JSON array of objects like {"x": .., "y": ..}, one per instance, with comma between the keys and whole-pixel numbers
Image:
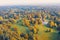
[{"x": 47, "y": 35}]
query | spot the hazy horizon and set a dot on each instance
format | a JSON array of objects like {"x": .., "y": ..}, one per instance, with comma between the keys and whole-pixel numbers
[{"x": 29, "y": 2}]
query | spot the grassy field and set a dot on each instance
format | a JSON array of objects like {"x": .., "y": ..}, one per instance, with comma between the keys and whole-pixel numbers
[{"x": 53, "y": 35}]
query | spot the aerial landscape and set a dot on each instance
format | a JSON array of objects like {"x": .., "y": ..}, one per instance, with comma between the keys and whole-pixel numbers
[{"x": 29, "y": 23}]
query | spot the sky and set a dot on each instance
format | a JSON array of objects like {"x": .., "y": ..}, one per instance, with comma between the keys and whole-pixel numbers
[{"x": 29, "y": 2}]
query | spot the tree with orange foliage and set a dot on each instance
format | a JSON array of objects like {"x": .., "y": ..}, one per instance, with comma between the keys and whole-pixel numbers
[
  {"x": 36, "y": 27},
  {"x": 26, "y": 22}
]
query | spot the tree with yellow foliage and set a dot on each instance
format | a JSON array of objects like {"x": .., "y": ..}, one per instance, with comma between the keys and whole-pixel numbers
[
  {"x": 32, "y": 20},
  {"x": 1, "y": 32},
  {"x": 35, "y": 27},
  {"x": 16, "y": 17},
  {"x": 36, "y": 37},
  {"x": 52, "y": 24},
  {"x": 1, "y": 18},
  {"x": 12, "y": 38},
  {"x": 12, "y": 20},
  {"x": 26, "y": 22}
]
